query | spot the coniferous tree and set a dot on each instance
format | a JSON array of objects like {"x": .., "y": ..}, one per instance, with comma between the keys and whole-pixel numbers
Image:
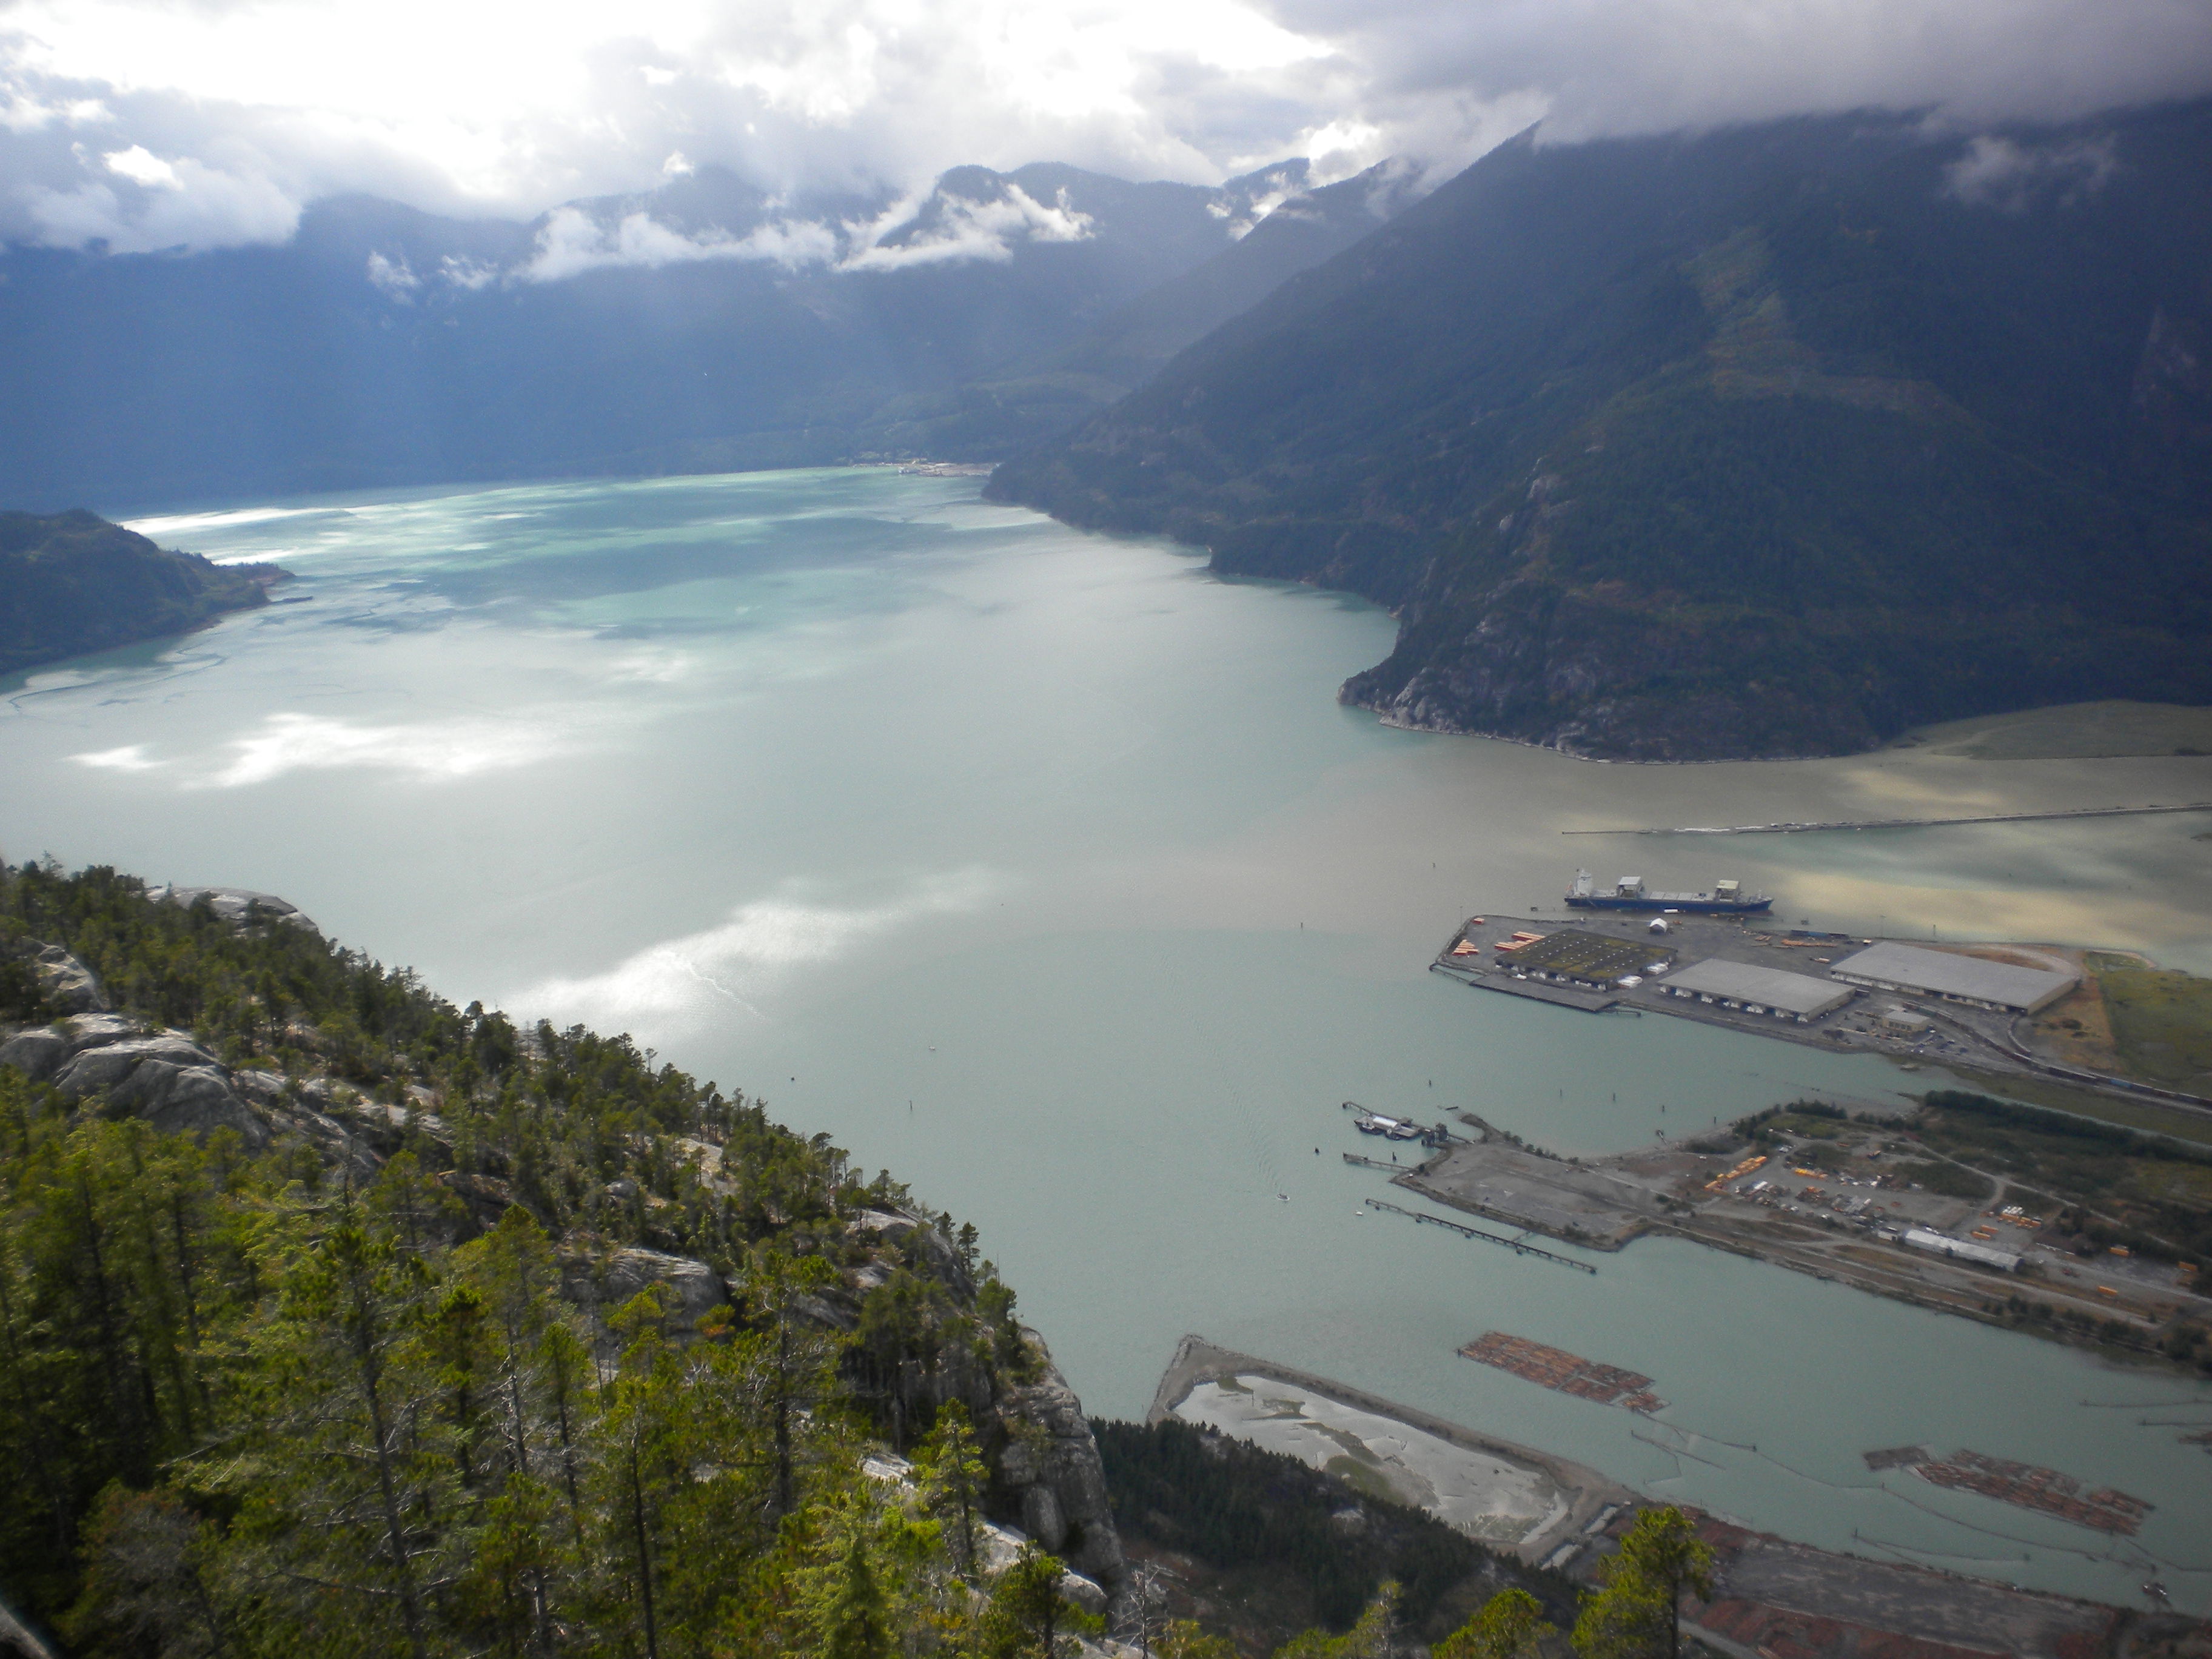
[
  {"x": 1637, "y": 1612},
  {"x": 298, "y": 1402},
  {"x": 1027, "y": 1613},
  {"x": 1510, "y": 1626},
  {"x": 954, "y": 1478}
]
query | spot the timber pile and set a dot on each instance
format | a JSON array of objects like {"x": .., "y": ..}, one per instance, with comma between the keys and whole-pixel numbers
[
  {"x": 1567, "y": 1373},
  {"x": 2030, "y": 1486}
]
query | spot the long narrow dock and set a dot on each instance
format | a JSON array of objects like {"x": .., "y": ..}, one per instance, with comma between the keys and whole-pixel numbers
[
  {"x": 1902, "y": 823},
  {"x": 1462, "y": 1228}
]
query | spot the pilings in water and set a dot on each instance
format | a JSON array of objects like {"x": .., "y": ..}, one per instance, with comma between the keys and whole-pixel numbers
[{"x": 1466, "y": 1231}]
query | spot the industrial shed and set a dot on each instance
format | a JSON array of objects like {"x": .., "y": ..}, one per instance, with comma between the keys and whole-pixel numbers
[
  {"x": 1758, "y": 990},
  {"x": 1593, "y": 961},
  {"x": 1982, "y": 1256},
  {"x": 1996, "y": 985}
]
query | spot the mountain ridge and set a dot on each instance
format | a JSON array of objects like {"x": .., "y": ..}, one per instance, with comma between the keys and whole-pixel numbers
[
  {"x": 705, "y": 326},
  {"x": 1766, "y": 441}
]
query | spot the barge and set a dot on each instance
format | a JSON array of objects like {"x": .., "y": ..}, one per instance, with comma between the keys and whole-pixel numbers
[{"x": 1390, "y": 1128}]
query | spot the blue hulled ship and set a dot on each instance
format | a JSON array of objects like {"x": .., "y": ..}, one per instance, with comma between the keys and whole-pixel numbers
[{"x": 1726, "y": 898}]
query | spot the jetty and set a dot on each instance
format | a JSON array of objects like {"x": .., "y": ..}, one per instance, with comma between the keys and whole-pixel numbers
[
  {"x": 1515, "y": 1245},
  {"x": 1794, "y": 828}
]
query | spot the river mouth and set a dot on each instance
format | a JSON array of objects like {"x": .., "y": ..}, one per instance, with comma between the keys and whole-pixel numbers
[{"x": 1044, "y": 871}]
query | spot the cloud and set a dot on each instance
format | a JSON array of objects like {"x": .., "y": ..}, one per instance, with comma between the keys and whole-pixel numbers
[
  {"x": 2000, "y": 173},
  {"x": 142, "y": 167},
  {"x": 160, "y": 205},
  {"x": 467, "y": 273},
  {"x": 145, "y": 124},
  {"x": 963, "y": 228},
  {"x": 1610, "y": 66},
  {"x": 572, "y": 242},
  {"x": 686, "y": 982},
  {"x": 924, "y": 229},
  {"x": 394, "y": 278}
]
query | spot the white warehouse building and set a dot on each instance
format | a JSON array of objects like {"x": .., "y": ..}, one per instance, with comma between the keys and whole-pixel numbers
[
  {"x": 1955, "y": 978},
  {"x": 1757, "y": 990},
  {"x": 1982, "y": 1256}
]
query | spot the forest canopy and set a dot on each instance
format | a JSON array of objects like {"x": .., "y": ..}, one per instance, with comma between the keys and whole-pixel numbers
[
  {"x": 426, "y": 1371},
  {"x": 72, "y": 582}
]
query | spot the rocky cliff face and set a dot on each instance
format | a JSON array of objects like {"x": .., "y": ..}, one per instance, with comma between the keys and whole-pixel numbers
[
  {"x": 1051, "y": 1464},
  {"x": 163, "y": 1077}
]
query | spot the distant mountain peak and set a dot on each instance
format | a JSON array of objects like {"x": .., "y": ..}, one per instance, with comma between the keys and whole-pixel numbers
[{"x": 706, "y": 323}]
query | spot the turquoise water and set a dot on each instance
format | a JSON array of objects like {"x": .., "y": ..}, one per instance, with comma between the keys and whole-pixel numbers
[{"x": 1044, "y": 870}]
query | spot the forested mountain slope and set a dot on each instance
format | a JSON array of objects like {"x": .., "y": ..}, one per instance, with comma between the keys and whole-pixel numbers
[
  {"x": 1771, "y": 441},
  {"x": 335, "y": 1319},
  {"x": 73, "y": 582},
  {"x": 338, "y": 1322}
]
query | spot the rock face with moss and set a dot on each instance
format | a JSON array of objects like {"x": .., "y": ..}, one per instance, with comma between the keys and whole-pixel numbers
[
  {"x": 1766, "y": 441},
  {"x": 72, "y": 582}
]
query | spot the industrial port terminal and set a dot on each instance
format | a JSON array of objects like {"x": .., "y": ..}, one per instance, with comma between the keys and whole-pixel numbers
[{"x": 1717, "y": 957}]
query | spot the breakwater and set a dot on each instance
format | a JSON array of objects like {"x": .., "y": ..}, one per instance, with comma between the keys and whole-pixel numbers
[{"x": 1788, "y": 828}]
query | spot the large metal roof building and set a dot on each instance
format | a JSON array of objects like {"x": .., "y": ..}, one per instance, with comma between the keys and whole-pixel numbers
[
  {"x": 1923, "y": 1238},
  {"x": 1999, "y": 985},
  {"x": 1758, "y": 990}
]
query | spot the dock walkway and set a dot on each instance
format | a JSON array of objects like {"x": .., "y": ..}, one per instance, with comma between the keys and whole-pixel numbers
[
  {"x": 1793, "y": 828},
  {"x": 1459, "y": 1227}
]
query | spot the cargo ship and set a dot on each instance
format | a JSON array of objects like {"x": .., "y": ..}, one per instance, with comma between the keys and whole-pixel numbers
[{"x": 1727, "y": 899}]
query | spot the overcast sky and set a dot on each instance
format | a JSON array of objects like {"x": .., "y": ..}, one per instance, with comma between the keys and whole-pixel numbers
[{"x": 202, "y": 122}]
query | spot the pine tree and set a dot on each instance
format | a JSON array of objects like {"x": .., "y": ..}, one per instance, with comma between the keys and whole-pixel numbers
[
  {"x": 1510, "y": 1626},
  {"x": 1636, "y": 1613},
  {"x": 354, "y": 1488},
  {"x": 954, "y": 1478},
  {"x": 1374, "y": 1636},
  {"x": 1026, "y": 1613},
  {"x": 850, "y": 1620}
]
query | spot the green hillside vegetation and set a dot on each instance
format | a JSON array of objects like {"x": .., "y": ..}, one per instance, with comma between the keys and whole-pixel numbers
[
  {"x": 1773, "y": 441},
  {"x": 2146, "y": 1193},
  {"x": 73, "y": 582},
  {"x": 336, "y": 1395}
]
